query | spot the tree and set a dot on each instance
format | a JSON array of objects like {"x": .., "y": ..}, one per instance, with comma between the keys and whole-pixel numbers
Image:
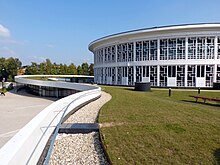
[
  {"x": 42, "y": 68},
  {"x": 79, "y": 70},
  {"x": 48, "y": 66},
  {"x": 72, "y": 69},
  {"x": 65, "y": 69},
  {"x": 54, "y": 69},
  {"x": 85, "y": 68},
  {"x": 11, "y": 68},
  {"x": 32, "y": 69},
  {"x": 91, "y": 69}
]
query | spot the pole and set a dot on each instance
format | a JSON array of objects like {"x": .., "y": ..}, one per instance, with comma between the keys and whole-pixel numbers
[{"x": 169, "y": 92}]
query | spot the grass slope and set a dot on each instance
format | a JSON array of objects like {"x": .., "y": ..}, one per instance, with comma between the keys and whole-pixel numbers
[{"x": 152, "y": 128}]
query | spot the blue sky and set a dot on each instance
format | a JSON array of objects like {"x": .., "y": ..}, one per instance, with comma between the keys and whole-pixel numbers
[{"x": 33, "y": 30}]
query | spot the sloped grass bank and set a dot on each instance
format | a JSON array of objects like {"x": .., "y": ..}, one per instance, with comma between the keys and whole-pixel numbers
[{"x": 152, "y": 128}]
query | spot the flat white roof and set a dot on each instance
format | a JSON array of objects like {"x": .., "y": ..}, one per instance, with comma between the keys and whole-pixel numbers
[{"x": 154, "y": 29}]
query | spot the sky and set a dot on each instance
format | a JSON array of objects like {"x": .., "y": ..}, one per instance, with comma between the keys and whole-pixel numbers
[{"x": 61, "y": 30}]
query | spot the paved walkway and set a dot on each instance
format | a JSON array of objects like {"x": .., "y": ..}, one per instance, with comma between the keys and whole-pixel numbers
[{"x": 16, "y": 110}]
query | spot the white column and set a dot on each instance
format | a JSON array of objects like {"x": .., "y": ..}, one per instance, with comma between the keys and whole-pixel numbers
[
  {"x": 134, "y": 51},
  {"x": 196, "y": 47},
  {"x": 103, "y": 55},
  {"x": 158, "y": 58},
  {"x": 158, "y": 75},
  {"x": 215, "y": 73},
  {"x": 186, "y": 75},
  {"x": 215, "y": 58},
  {"x": 186, "y": 48},
  {"x": 176, "y": 50},
  {"x": 116, "y": 53},
  {"x": 116, "y": 75},
  {"x": 205, "y": 48},
  {"x": 204, "y": 74},
  {"x": 196, "y": 74},
  {"x": 216, "y": 48},
  {"x": 158, "y": 49},
  {"x": 134, "y": 73}
]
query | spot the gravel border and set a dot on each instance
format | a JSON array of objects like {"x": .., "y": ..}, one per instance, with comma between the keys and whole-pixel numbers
[{"x": 81, "y": 148}]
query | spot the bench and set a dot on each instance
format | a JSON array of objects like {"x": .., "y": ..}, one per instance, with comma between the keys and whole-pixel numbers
[{"x": 204, "y": 98}]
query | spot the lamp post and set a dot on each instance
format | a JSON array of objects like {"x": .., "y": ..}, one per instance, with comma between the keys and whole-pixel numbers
[
  {"x": 3, "y": 78},
  {"x": 169, "y": 92}
]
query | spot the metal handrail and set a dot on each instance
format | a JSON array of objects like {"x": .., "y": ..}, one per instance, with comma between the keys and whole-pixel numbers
[{"x": 47, "y": 159}]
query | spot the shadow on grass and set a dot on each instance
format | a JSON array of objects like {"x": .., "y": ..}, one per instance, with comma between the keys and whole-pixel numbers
[
  {"x": 217, "y": 155},
  {"x": 202, "y": 103}
]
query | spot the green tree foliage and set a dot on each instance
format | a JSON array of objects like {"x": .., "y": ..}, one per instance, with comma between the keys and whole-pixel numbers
[
  {"x": 34, "y": 69},
  {"x": 48, "y": 67},
  {"x": 85, "y": 68},
  {"x": 91, "y": 69},
  {"x": 79, "y": 70},
  {"x": 72, "y": 69},
  {"x": 9, "y": 68}
]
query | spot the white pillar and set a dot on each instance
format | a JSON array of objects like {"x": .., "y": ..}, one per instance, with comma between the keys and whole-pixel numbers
[
  {"x": 204, "y": 74},
  {"x": 205, "y": 47},
  {"x": 103, "y": 55},
  {"x": 116, "y": 53},
  {"x": 176, "y": 50},
  {"x": 186, "y": 75},
  {"x": 134, "y": 73},
  {"x": 215, "y": 48},
  {"x": 196, "y": 47},
  {"x": 158, "y": 75},
  {"x": 215, "y": 73},
  {"x": 158, "y": 49},
  {"x": 186, "y": 49},
  {"x": 116, "y": 75},
  {"x": 134, "y": 51}
]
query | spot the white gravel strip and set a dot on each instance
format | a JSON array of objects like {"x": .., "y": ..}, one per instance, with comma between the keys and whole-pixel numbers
[{"x": 81, "y": 148}]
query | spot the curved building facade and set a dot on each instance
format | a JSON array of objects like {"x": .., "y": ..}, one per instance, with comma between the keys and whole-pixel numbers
[{"x": 169, "y": 56}]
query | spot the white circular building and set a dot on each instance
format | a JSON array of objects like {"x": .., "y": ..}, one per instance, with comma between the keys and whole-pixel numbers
[{"x": 168, "y": 56}]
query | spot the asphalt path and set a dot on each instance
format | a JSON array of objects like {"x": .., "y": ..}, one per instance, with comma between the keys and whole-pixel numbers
[{"x": 16, "y": 110}]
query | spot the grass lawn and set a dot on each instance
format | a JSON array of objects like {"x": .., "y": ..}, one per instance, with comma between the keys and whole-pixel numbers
[{"x": 152, "y": 128}]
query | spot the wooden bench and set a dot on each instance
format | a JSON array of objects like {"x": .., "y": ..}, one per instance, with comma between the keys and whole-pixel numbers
[{"x": 205, "y": 98}]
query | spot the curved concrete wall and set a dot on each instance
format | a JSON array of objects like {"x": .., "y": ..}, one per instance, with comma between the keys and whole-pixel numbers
[
  {"x": 57, "y": 84},
  {"x": 28, "y": 144}
]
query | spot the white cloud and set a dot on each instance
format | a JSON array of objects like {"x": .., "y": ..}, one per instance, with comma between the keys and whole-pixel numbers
[
  {"x": 5, "y": 37},
  {"x": 4, "y": 32}
]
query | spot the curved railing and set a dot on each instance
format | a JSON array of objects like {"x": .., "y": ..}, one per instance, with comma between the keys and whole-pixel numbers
[{"x": 28, "y": 144}]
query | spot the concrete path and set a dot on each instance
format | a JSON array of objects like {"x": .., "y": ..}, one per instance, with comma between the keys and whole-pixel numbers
[{"x": 16, "y": 110}]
